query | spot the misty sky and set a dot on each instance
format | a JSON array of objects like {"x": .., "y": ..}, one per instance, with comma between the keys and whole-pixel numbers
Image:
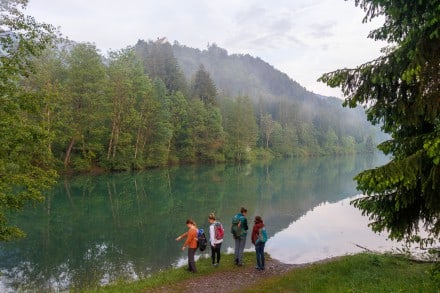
[{"x": 303, "y": 38}]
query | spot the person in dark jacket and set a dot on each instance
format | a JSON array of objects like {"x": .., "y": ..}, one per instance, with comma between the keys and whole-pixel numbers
[
  {"x": 240, "y": 240},
  {"x": 259, "y": 238}
]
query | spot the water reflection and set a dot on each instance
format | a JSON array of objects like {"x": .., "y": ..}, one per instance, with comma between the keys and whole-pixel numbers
[
  {"x": 330, "y": 229},
  {"x": 94, "y": 230}
]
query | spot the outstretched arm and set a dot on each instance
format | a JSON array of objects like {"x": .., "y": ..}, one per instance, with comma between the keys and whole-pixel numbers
[{"x": 182, "y": 236}]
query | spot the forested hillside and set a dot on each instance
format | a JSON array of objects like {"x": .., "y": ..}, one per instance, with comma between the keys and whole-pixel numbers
[
  {"x": 241, "y": 74},
  {"x": 238, "y": 74},
  {"x": 156, "y": 104}
]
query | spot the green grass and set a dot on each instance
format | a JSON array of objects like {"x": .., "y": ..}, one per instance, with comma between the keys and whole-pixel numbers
[
  {"x": 357, "y": 273},
  {"x": 172, "y": 276}
]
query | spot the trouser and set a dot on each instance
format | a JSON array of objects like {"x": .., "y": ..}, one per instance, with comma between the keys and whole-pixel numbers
[
  {"x": 191, "y": 261},
  {"x": 240, "y": 243},
  {"x": 215, "y": 251},
  {"x": 259, "y": 249}
]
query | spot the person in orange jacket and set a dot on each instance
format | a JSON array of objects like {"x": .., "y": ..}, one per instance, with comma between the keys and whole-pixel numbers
[{"x": 191, "y": 243}]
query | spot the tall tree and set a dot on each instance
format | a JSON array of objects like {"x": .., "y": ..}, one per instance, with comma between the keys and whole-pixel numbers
[
  {"x": 84, "y": 104},
  {"x": 267, "y": 128},
  {"x": 145, "y": 106},
  {"x": 127, "y": 84},
  {"x": 240, "y": 126},
  {"x": 46, "y": 83},
  {"x": 158, "y": 129},
  {"x": 25, "y": 159},
  {"x": 159, "y": 62},
  {"x": 401, "y": 89},
  {"x": 203, "y": 87},
  {"x": 178, "y": 108}
]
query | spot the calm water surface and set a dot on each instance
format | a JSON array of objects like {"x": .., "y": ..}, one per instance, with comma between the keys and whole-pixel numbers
[{"x": 93, "y": 230}]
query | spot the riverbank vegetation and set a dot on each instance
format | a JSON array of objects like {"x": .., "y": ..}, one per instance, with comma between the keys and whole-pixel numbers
[
  {"x": 135, "y": 109},
  {"x": 358, "y": 273},
  {"x": 365, "y": 272}
]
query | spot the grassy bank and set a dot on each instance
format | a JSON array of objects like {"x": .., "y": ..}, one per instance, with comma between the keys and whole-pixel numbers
[
  {"x": 357, "y": 273},
  {"x": 173, "y": 276}
]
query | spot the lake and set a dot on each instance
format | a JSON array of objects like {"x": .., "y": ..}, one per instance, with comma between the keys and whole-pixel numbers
[{"x": 96, "y": 229}]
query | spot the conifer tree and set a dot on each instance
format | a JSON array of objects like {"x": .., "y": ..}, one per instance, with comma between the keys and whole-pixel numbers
[
  {"x": 401, "y": 90},
  {"x": 203, "y": 87}
]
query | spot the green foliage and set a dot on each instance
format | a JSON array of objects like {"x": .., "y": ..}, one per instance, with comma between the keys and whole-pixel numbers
[
  {"x": 84, "y": 105},
  {"x": 132, "y": 110},
  {"x": 26, "y": 168},
  {"x": 434, "y": 271},
  {"x": 401, "y": 90},
  {"x": 357, "y": 273},
  {"x": 159, "y": 62},
  {"x": 240, "y": 125},
  {"x": 108, "y": 113},
  {"x": 203, "y": 87},
  {"x": 127, "y": 84}
]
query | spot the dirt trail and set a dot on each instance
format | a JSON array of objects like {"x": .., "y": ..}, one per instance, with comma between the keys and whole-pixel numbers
[{"x": 229, "y": 281}]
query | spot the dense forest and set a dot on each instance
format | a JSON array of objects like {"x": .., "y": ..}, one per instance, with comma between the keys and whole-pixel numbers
[{"x": 157, "y": 104}]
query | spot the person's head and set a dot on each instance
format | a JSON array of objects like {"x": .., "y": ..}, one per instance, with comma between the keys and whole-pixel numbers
[
  {"x": 243, "y": 211},
  {"x": 211, "y": 218},
  {"x": 190, "y": 222},
  {"x": 258, "y": 220}
]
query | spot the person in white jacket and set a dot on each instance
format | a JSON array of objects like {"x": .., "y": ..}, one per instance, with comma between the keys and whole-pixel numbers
[{"x": 215, "y": 239}]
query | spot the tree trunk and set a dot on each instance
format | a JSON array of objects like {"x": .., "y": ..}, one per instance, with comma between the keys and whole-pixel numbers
[
  {"x": 138, "y": 138},
  {"x": 68, "y": 153},
  {"x": 110, "y": 143}
]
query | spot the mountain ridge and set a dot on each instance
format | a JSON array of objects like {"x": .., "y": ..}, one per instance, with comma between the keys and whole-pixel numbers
[
  {"x": 245, "y": 75},
  {"x": 257, "y": 79}
]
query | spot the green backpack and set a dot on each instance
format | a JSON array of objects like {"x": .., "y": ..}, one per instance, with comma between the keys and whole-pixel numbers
[
  {"x": 262, "y": 235},
  {"x": 236, "y": 227}
]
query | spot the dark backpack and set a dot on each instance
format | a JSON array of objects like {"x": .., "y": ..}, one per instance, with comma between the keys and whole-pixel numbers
[
  {"x": 201, "y": 240},
  {"x": 236, "y": 226},
  {"x": 219, "y": 232}
]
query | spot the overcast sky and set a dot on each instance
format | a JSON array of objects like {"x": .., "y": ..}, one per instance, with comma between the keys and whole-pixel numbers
[{"x": 303, "y": 38}]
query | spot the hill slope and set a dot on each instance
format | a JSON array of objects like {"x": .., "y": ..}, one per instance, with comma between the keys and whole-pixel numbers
[{"x": 238, "y": 74}]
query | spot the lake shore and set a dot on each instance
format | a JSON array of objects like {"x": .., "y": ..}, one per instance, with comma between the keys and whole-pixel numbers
[{"x": 366, "y": 272}]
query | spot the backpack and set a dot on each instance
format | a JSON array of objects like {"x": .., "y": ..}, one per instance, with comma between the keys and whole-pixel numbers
[
  {"x": 201, "y": 240},
  {"x": 236, "y": 226},
  {"x": 219, "y": 232},
  {"x": 262, "y": 235}
]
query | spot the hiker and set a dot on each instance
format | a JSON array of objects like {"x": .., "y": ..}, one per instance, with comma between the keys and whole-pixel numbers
[
  {"x": 216, "y": 233},
  {"x": 239, "y": 229},
  {"x": 191, "y": 243},
  {"x": 259, "y": 238}
]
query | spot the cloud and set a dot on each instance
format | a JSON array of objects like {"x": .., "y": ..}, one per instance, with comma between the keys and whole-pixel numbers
[
  {"x": 303, "y": 38},
  {"x": 322, "y": 30}
]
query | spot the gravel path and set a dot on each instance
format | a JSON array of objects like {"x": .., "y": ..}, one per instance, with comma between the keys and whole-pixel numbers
[{"x": 229, "y": 281}]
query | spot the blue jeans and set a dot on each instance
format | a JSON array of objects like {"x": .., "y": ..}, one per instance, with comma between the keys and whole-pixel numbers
[
  {"x": 240, "y": 243},
  {"x": 259, "y": 249}
]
